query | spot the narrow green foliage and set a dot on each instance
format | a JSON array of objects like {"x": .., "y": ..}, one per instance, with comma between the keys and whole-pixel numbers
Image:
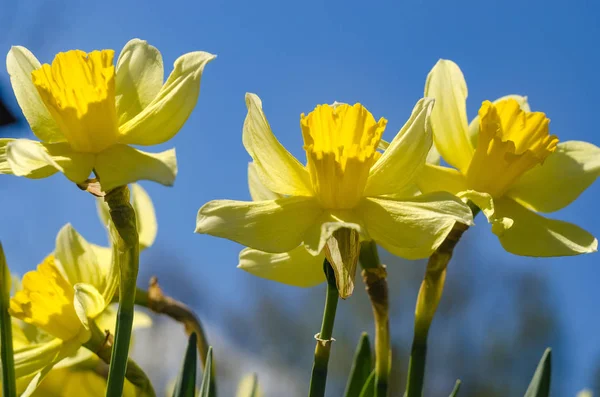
[
  {"x": 361, "y": 367},
  {"x": 9, "y": 386},
  {"x": 205, "y": 387},
  {"x": 186, "y": 383},
  {"x": 540, "y": 383},
  {"x": 368, "y": 389},
  {"x": 456, "y": 389}
]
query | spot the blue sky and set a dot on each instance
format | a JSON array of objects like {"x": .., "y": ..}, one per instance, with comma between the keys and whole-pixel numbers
[{"x": 295, "y": 55}]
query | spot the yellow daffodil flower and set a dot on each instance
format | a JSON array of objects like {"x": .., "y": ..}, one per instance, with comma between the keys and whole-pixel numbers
[
  {"x": 346, "y": 185},
  {"x": 87, "y": 111},
  {"x": 509, "y": 165},
  {"x": 72, "y": 286}
]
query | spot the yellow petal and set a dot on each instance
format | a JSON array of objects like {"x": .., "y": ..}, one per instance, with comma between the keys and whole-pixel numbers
[
  {"x": 296, "y": 267},
  {"x": 35, "y": 160},
  {"x": 413, "y": 229},
  {"x": 405, "y": 156},
  {"x": 273, "y": 226},
  {"x": 108, "y": 319},
  {"x": 121, "y": 165},
  {"x": 330, "y": 221},
  {"x": 20, "y": 62},
  {"x": 474, "y": 124},
  {"x": 533, "y": 235},
  {"x": 249, "y": 387},
  {"x": 557, "y": 182},
  {"x": 76, "y": 259},
  {"x": 165, "y": 115},
  {"x": 277, "y": 169},
  {"x": 145, "y": 215},
  {"x": 446, "y": 84},
  {"x": 4, "y": 166},
  {"x": 436, "y": 178},
  {"x": 89, "y": 303},
  {"x": 258, "y": 191},
  {"x": 139, "y": 78}
]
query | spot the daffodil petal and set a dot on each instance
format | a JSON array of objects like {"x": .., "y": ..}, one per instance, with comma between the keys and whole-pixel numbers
[
  {"x": 446, "y": 83},
  {"x": 413, "y": 229},
  {"x": 556, "y": 183},
  {"x": 139, "y": 77},
  {"x": 145, "y": 215},
  {"x": 436, "y": 178},
  {"x": 121, "y": 165},
  {"x": 405, "y": 156},
  {"x": 474, "y": 124},
  {"x": 272, "y": 226},
  {"x": 76, "y": 259},
  {"x": 89, "y": 303},
  {"x": 296, "y": 267},
  {"x": 4, "y": 166},
  {"x": 258, "y": 191},
  {"x": 108, "y": 318},
  {"x": 165, "y": 115},
  {"x": 485, "y": 202},
  {"x": 20, "y": 62},
  {"x": 36, "y": 160},
  {"x": 277, "y": 169},
  {"x": 326, "y": 224},
  {"x": 533, "y": 235}
]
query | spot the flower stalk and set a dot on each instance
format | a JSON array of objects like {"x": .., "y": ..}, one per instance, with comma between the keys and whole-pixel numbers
[
  {"x": 9, "y": 386},
  {"x": 324, "y": 338},
  {"x": 127, "y": 242},
  {"x": 430, "y": 294},
  {"x": 375, "y": 279}
]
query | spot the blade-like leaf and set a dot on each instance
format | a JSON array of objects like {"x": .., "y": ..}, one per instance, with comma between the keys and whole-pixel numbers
[
  {"x": 361, "y": 367},
  {"x": 456, "y": 389},
  {"x": 9, "y": 387},
  {"x": 540, "y": 383},
  {"x": 248, "y": 387},
  {"x": 205, "y": 387},
  {"x": 186, "y": 383},
  {"x": 368, "y": 389}
]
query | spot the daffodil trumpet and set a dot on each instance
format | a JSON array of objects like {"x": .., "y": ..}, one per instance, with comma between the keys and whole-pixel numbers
[{"x": 86, "y": 112}]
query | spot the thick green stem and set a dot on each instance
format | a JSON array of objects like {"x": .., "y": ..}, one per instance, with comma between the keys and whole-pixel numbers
[
  {"x": 127, "y": 240},
  {"x": 319, "y": 371},
  {"x": 428, "y": 300},
  {"x": 9, "y": 385},
  {"x": 375, "y": 279}
]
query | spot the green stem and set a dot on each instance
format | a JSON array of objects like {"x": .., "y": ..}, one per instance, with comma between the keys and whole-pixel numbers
[
  {"x": 430, "y": 294},
  {"x": 123, "y": 218},
  {"x": 375, "y": 279},
  {"x": 9, "y": 385},
  {"x": 319, "y": 371}
]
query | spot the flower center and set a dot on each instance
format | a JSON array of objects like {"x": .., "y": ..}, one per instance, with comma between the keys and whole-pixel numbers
[
  {"x": 511, "y": 142},
  {"x": 341, "y": 146},
  {"x": 79, "y": 92},
  {"x": 46, "y": 301}
]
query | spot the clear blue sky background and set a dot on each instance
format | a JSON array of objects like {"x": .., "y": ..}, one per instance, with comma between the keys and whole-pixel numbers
[{"x": 295, "y": 55}]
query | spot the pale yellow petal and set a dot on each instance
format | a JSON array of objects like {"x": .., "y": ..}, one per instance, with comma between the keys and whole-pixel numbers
[
  {"x": 89, "y": 303},
  {"x": 165, "y": 115},
  {"x": 273, "y": 225},
  {"x": 277, "y": 169},
  {"x": 446, "y": 84},
  {"x": 139, "y": 77},
  {"x": 436, "y": 178},
  {"x": 296, "y": 267},
  {"x": 35, "y": 160},
  {"x": 413, "y": 229},
  {"x": 563, "y": 176},
  {"x": 4, "y": 166},
  {"x": 258, "y": 191},
  {"x": 121, "y": 165},
  {"x": 474, "y": 124},
  {"x": 533, "y": 235},
  {"x": 20, "y": 62},
  {"x": 76, "y": 258},
  {"x": 405, "y": 157},
  {"x": 145, "y": 215}
]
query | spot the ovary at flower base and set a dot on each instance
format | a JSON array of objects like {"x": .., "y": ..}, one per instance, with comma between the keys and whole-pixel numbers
[
  {"x": 347, "y": 192},
  {"x": 507, "y": 163},
  {"x": 86, "y": 112}
]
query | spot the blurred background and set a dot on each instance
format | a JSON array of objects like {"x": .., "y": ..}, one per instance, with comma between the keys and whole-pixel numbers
[{"x": 499, "y": 311}]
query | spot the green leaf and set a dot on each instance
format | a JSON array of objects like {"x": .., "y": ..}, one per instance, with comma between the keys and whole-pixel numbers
[
  {"x": 186, "y": 382},
  {"x": 540, "y": 383},
  {"x": 248, "y": 387},
  {"x": 205, "y": 387},
  {"x": 361, "y": 367},
  {"x": 9, "y": 386},
  {"x": 456, "y": 389},
  {"x": 368, "y": 389}
]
